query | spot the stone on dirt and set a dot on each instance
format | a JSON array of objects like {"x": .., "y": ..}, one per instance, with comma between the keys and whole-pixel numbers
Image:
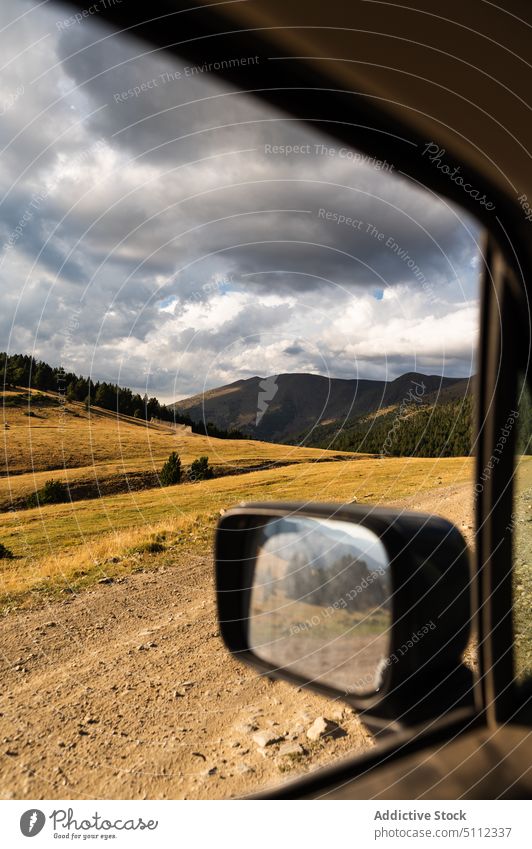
[
  {"x": 291, "y": 749},
  {"x": 265, "y": 738},
  {"x": 322, "y": 727}
]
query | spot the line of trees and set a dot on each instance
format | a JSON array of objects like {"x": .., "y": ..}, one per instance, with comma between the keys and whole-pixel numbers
[
  {"x": 24, "y": 370},
  {"x": 441, "y": 430}
]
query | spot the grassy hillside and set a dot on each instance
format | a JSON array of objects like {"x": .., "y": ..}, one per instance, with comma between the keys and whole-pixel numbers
[
  {"x": 67, "y": 546},
  {"x": 100, "y": 451},
  {"x": 61, "y": 548}
]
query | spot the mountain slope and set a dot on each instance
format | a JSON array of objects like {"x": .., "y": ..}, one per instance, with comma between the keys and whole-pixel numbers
[
  {"x": 429, "y": 430},
  {"x": 99, "y": 452},
  {"x": 284, "y": 406}
]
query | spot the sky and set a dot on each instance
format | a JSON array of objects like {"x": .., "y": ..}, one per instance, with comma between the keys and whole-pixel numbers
[{"x": 163, "y": 231}]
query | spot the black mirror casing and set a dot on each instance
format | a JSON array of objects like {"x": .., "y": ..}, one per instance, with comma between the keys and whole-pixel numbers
[{"x": 424, "y": 677}]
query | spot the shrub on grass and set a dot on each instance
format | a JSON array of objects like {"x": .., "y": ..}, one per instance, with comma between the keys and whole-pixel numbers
[
  {"x": 171, "y": 471},
  {"x": 53, "y": 492},
  {"x": 200, "y": 470},
  {"x": 153, "y": 546},
  {"x": 5, "y": 553}
]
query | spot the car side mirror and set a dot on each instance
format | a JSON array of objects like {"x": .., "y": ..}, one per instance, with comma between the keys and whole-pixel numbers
[{"x": 365, "y": 604}]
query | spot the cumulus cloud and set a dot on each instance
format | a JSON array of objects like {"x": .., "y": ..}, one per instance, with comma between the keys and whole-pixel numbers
[{"x": 199, "y": 236}]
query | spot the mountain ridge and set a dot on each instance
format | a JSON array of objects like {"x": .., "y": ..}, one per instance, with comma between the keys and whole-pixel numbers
[{"x": 280, "y": 407}]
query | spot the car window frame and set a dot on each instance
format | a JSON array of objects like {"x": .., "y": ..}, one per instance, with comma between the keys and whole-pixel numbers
[
  {"x": 505, "y": 350},
  {"x": 295, "y": 87}
]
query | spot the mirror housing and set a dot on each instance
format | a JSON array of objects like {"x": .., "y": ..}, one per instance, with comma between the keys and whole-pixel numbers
[{"x": 424, "y": 676}]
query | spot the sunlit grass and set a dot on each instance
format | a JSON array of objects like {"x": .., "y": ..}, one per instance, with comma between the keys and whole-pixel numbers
[
  {"x": 67, "y": 544},
  {"x": 93, "y": 449}
]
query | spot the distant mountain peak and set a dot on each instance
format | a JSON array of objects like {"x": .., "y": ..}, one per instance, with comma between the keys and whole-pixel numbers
[{"x": 281, "y": 407}]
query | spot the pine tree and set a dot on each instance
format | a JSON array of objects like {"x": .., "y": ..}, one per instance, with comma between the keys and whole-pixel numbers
[
  {"x": 171, "y": 471},
  {"x": 200, "y": 469}
]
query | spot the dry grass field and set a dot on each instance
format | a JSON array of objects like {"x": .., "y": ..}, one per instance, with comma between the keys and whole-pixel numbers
[
  {"x": 124, "y": 689},
  {"x": 42, "y": 435},
  {"x": 63, "y": 547}
]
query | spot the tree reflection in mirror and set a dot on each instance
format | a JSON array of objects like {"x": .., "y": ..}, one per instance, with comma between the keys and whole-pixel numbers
[{"x": 321, "y": 602}]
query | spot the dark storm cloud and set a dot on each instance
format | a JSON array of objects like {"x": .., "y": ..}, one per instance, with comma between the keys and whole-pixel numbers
[
  {"x": 54, "y": 256},
  {"x": 154, "y": 104},
  {"x": 293, "y": 350},
  {"x": 176, "y": 224},
  {"x": 105, "y": 70}
]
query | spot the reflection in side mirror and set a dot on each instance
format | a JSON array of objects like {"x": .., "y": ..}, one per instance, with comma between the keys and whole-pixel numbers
[
  {"x": 364, "y": 603},
  {"x": 321, "y": 602}
]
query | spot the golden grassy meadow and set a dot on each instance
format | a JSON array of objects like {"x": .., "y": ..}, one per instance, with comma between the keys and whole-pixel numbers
[{"x": 64, "y": 547}]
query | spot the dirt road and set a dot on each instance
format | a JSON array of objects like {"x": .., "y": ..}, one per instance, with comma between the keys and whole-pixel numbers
[
  {"x": 454, "y": 502},
  {"x": 125, "y": 691}
]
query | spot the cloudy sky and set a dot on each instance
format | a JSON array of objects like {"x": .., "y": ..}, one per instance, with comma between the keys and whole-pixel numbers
[{"x": 155, "y": 231}]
